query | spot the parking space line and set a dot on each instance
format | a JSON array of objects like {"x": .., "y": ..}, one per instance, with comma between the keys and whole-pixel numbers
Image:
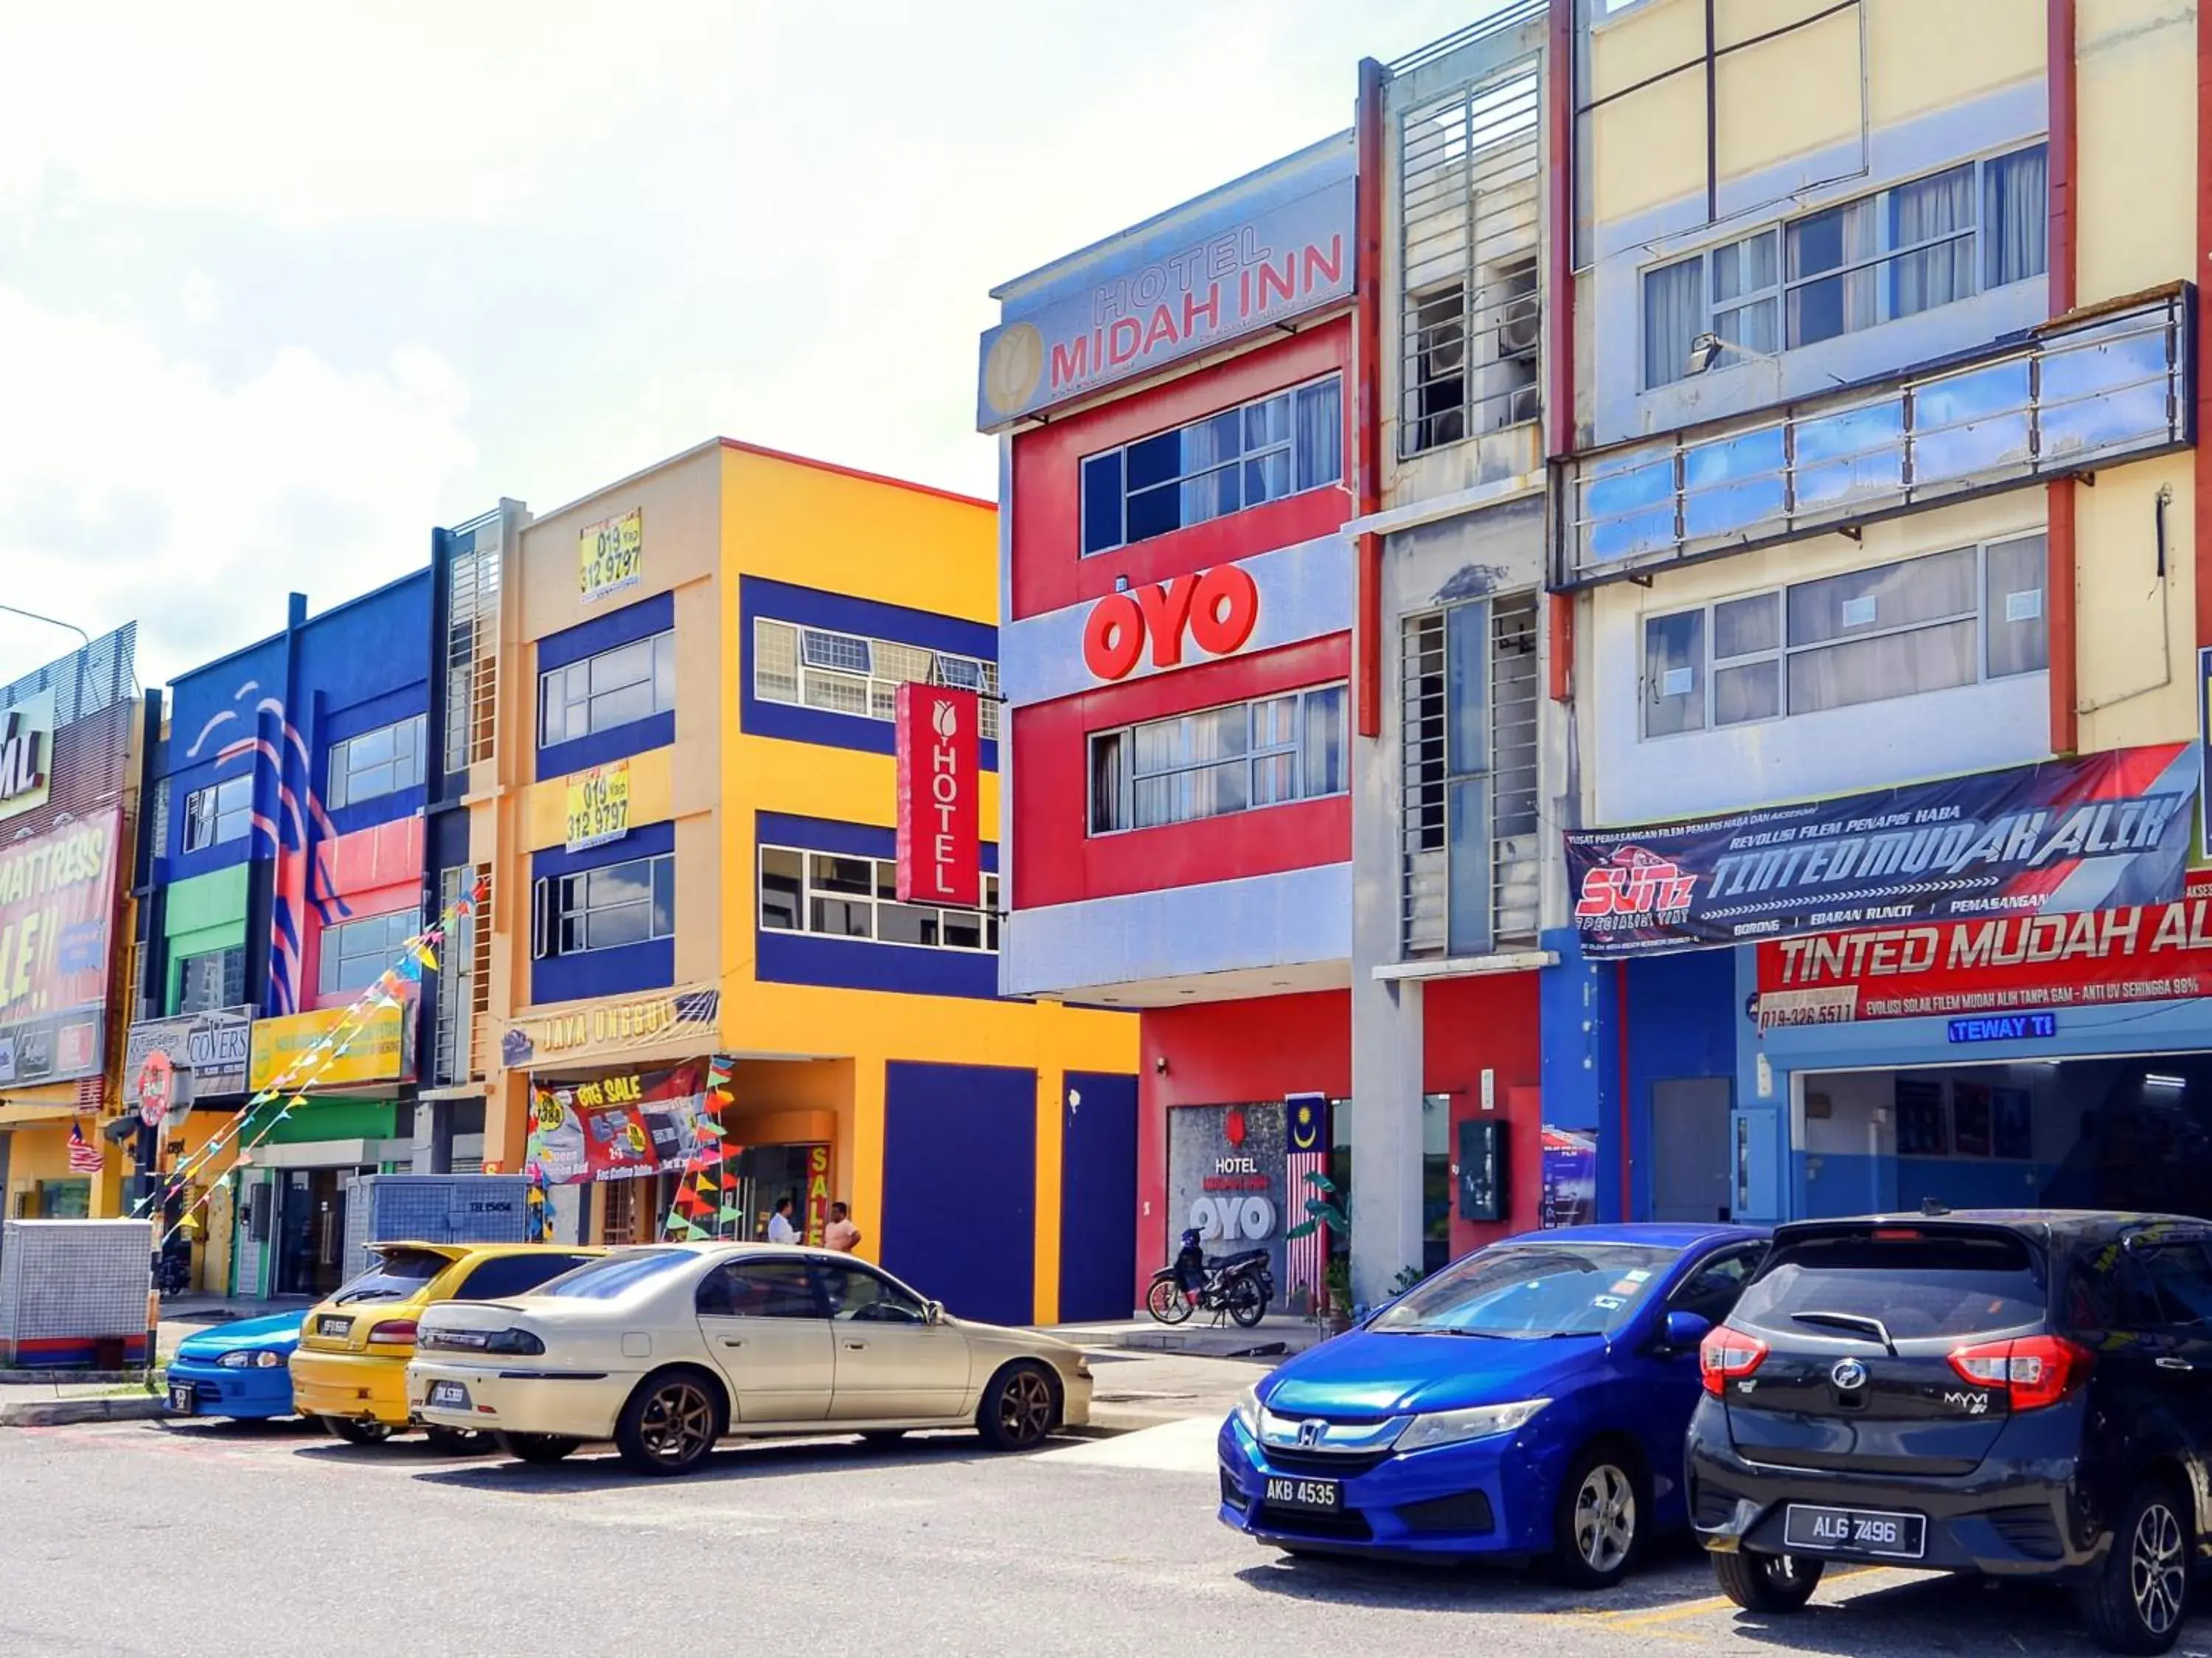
[{"x": 1633, "y": 1621}]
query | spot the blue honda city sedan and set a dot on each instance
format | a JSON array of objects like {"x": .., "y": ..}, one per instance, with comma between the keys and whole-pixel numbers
[
  {"x": 1528, "y": 1402},
  {"x": 242, "y": 1369}
]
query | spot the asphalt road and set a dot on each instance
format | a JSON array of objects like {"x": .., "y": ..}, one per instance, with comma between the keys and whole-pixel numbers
[{"x": 147, "y": 1538}]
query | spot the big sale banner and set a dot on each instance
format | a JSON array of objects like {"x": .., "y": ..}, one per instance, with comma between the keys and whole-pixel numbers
[
  {"x": 57, "y": 936},
  {"x": 619, "y": 1126}
]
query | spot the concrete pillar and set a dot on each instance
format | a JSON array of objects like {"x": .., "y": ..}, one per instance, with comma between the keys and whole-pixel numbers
[
  {"x": 432, "y": 1148},
  {"x": 1386, "y": 1131}
]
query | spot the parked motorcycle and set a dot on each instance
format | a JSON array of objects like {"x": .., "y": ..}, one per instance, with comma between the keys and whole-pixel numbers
[{"x": 1240, "y": 1285}]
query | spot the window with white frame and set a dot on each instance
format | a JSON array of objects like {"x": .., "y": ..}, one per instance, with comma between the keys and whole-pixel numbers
[
  {"x": 1234, "y": 758},
  {"x": 840, "y": 897},
  {"x": 1933, "y": 623},
  {"x": 379, "y": 762},
  {"x": 616, "y": 687},
  {"x": 220, "y": 812},
  {"x": 1262, "y": 451},
  {"x": 632, "y": 902},
  {"x": 1969, "y": 228},
  {"x": 211, "y": 979},
  {"x": 850, "y": 673},
  {"x": 1471, "y": 310},
  {"x": 354, "y": 954}
]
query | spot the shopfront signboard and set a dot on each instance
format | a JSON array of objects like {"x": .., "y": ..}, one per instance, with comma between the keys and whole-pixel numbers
[
  {"x": 617, "y": 1127},
  {"x": 610, "y": 555},
  {"x": 1249, "y": 256},
  {"x": 612, "y": 1025},
  {"x": 939, "y": 782},
  {"x": 213, "y": 1047},
  {"x": 1227, "y": 1172},
  {"x": 598, "y": 806},
  {"x": 57, "y": 894},
  {"x": 2004, "y": 1027},
  {"x": 356, "y": 1051},
  {"x": 26, "y": 754},
  {"x": 1214, "y": 610},
  {"x": 2028, "y": 843},
  {"x": 2144, "y": 953}
]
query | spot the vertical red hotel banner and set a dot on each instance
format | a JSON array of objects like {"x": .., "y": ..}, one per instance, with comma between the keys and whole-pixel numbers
[{"x": 940, "y": 775}]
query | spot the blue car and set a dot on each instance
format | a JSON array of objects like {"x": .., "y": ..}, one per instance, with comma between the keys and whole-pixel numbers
[
  {"x": 1529, "y": 1402},
  {"x": 242, "y": 1369}
]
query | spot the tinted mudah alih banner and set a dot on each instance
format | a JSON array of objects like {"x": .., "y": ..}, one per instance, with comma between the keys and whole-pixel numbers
[{"x": 2097, "y": 832}]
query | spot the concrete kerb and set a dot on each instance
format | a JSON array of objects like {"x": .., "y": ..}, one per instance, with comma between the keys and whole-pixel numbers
[{"x": 60, "y": 1412}]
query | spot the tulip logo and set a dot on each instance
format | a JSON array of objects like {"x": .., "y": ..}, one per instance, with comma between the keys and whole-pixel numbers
[
  {"x": 944, "y": 720},
  {"x": 1012, "y": 367}
]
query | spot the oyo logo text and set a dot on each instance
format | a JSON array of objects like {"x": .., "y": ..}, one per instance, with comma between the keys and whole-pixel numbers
[{"x": 1219, "y": 608}]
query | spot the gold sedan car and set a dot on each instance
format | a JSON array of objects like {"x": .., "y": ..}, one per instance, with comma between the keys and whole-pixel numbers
[{"x": 666, "y": 1348}]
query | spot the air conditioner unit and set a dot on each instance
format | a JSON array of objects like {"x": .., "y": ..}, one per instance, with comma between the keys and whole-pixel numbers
[
  {"x": 1521, "y": 329},
  {"x": 1520, "y": 406}
]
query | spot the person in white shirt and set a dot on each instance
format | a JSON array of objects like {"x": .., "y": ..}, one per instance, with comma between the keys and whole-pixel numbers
[{"x": 779, "y": 1229}]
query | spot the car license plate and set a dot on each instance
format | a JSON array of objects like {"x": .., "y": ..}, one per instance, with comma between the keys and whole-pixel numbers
[
  {"x": 180, "y": 1397},
  {"x": 449, "y": 1396},
  {"x": 1305, "y": 1495},
  {"x": 327, "y": 1326},
  {"x": 1855, "y": 1531}
]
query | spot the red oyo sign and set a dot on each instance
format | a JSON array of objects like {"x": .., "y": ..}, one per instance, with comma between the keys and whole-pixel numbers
[
  {"x": 2088, "y": 958},
  {"x": 1217, "y": 608},
  {"x": 939, "y": 777}
]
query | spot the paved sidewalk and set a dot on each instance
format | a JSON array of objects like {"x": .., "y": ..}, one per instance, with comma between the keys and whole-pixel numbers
[{"x": 1274, "y": 1337}]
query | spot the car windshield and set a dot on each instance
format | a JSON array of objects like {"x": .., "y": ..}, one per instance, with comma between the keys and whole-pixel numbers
[
  {"x": 617, "y": 1275},
  {"x": 1909, "y": 1283},
  {"x": 398, "y": 1274},
  {"x": 1531, "y": 1292}
]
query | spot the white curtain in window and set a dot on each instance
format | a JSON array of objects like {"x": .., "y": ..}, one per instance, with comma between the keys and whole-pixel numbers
[
  {"x": 1320, "y": 434},
  {"x": 1942, "y": 206},
  {"x": 1208, "y": 444},
  {"x": 2017, "y": 233},
  {"x": 1673, "y": 318}
]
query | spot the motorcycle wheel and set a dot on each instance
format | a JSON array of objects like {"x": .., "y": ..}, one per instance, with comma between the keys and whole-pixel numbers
[
  {"x": 1247, "y": 1303},
  {"x": 1165, "y": 1302}
]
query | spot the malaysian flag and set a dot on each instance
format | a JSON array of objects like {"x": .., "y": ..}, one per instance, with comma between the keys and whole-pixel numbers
[
  {"x": 1305, "y": 1259},
  {"x": 84, "y": 1156}
]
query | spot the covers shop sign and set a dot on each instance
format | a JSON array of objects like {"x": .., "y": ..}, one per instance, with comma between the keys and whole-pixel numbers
[
  {"x": 2107, "y": 830},
  {"x": 939, "y": 777}
]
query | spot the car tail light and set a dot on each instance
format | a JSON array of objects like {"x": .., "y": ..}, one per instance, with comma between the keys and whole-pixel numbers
[
  {"x": 397, "y": 1333},
  {"x": 1727, "y": 1356},
  {"x": 2034, "y": 1371}
]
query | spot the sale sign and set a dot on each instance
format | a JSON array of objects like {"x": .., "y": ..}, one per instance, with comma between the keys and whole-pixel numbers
[
  {"x": 2094, "y": 958},
  {"x": 939, "y": 777},
  {"x": 57, "y": 934}
]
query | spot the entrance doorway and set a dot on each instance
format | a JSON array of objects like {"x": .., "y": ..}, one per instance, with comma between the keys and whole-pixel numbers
[
  {"x": 1690, "y": 1149},
  {"x": 311, "y": 1230},
  {"x": 765, "y": 1174}
]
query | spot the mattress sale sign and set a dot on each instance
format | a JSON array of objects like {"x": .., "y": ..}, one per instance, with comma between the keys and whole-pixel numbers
[
  {"x": 2100, "y": 831},
  {"x": 57, "y": 931}
]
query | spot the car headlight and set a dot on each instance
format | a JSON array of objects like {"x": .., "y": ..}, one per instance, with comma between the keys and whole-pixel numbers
[
  {"x": 257, "y": 1358},
  {"x": 1247, "y": 1411},
  {"x": 1455, "y": 1427}
]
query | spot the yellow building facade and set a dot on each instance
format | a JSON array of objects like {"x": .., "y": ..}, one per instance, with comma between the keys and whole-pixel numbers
[{"x": 687, "y": 818}]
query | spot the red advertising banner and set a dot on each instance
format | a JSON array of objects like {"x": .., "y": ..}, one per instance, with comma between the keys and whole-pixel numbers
[
  {"x": 939, "y": 778},
  {"x": 617, "y": 1127},
  {"x": 57, "y": 939},
  {"x": 818, "y": 1193},
  {"x": 2091, "y": 958}
]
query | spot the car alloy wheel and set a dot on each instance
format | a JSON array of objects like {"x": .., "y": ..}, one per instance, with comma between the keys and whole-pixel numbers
[
  {"x": 1605, "y": 1518},
  {"x": 1023, "y": 1409},
  {"x": 2158, "y": 1574},
  {"x": 677, "y": 1424}
]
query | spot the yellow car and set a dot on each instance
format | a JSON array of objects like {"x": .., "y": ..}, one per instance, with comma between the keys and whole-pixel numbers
[{"x": 351, "y": 1367}]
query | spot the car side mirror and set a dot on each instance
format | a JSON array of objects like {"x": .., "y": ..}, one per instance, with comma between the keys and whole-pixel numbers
[
  {"x": 933, "y": 1311},
  {"x": 1684, "y": 1330}
]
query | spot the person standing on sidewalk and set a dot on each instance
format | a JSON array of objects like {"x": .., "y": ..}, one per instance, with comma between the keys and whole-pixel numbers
[
  {"x": 779, "y": 1229},
  {"x": 841, "y": 1234}
]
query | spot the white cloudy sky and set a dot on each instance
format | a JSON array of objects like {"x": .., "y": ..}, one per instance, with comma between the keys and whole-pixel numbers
[{"x": 282, "y": 286}]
